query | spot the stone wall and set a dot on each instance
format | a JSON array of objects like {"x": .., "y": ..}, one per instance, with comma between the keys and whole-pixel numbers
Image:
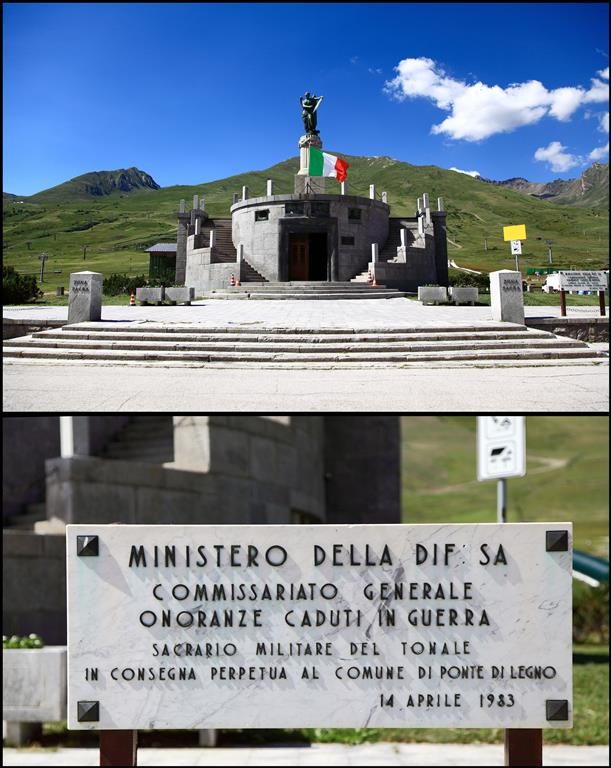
[
  {"x": 27, "y": 441},
  {"x": 264, "y": 241},
  {"x": 34, "y": 585},
  {"x": 363, "y": 469}
]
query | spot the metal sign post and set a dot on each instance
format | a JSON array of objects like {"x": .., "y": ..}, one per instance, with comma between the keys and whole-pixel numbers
[
  {"x": 515, "y": 234},
  {"x": 501, "y": 453}
]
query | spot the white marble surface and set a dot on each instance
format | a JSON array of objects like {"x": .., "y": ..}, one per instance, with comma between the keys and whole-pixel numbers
[{"x": 527, "y": 602}]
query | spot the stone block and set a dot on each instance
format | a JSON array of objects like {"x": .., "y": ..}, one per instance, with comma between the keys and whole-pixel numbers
[
  {"x": 148, "y": 295},
  {"x": 183, "y": 294},
  {"x": 432, "y": 293},
  {"x": 506, "y": 297},
  {"x": 463, "y": 294},
  {"x": 85, "y": 297},
  {"x": 34, "y": 684}
]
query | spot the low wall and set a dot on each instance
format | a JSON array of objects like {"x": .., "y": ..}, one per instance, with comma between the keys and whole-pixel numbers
[
  {"x": 12, "y": 328},
  {"x": 582, "y": 328}
]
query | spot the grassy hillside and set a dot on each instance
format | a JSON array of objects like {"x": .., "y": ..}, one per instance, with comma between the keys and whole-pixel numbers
[
  {"x": 116, "y": 229},
  {"x": 567, "y": 477}
]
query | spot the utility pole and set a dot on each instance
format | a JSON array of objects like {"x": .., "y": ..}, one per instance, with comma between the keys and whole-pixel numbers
[
  {"x": 84, "y": 252},
  {"x": 549, "y": 250},
  {"x": 485, "y": 243},
  {"x": 43, "y": 257}
]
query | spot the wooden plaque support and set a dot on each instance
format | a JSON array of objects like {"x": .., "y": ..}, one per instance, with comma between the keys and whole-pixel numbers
[
  {"x": 524, "y": 746},
  {"x": 119, "y": 748}
]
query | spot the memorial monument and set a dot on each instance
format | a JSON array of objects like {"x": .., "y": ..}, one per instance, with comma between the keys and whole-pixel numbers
[{"x": 319, "y": 232}]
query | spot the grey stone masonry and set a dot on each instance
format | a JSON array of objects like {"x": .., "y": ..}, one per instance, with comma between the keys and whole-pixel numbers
[
  {"x": 148, "y": 295},
  {"x": 85, "y": 297},
  {"x": 506, "y": 297}
]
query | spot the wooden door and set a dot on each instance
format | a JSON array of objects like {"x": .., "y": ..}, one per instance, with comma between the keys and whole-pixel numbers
[{"x": 299, "y": 267}]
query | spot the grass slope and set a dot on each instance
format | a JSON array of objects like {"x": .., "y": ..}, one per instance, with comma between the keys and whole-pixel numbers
[
  {"x": 567, "y": 475},
  {"x": 116, "y": 229}
]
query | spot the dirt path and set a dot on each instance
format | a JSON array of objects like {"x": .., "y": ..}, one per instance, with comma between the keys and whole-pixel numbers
[{"x": 548, "y": 465}]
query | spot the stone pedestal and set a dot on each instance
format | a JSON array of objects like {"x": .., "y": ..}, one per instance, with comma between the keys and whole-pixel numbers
[
  {"x": 506, "y": 298},
  {"x": 85, "y": 297},
  {"x": 305, "y": 184}
]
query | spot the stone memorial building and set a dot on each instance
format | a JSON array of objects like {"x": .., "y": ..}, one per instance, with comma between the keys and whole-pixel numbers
[
  {"x": 313, "y": 234},
  {"x": 185, "y": 470}
]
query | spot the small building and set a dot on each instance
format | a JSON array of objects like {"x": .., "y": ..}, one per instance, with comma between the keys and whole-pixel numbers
[{"x": 162, "y": 260}]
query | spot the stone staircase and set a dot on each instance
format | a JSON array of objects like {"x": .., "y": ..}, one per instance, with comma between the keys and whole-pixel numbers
[
  {"x": 148, "y": 439},
  {"x": 125, "y": 342},
  {"x": 305, "y": 290},
  {"x": 224, "y": 249},
  {"x": 389, "y": 252},
  {"x": 248, "y": 274}
]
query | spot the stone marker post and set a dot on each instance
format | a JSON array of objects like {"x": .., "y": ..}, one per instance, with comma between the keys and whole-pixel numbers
[
  {"x": 506, "y": 297},
  {"x": 85, "y": 297},
  {"x": 270, "y": 187},
  {"x": 372, "y": 191}
]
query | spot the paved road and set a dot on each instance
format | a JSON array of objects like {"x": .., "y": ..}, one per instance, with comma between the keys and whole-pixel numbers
[
  {"x": 30, "y": 386},
  {"x": 318, "y": 755}
]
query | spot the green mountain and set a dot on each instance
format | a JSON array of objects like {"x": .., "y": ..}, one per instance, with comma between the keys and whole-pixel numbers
[
  {"x": 96, "y": 184},
  {"x": 109, "y": 232}
]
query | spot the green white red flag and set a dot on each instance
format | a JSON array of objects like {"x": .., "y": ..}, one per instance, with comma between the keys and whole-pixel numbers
[{"x": 324, "y": 164}]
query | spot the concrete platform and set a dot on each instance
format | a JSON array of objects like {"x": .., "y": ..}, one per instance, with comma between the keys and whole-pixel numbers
[{"x": 319, "y": 755}]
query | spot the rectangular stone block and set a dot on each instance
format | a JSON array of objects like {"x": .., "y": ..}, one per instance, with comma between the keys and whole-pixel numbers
[
  {"x": 463, "y": 294},
  {"x": 506, "y": 297},
  {"x": 432, "y": 293},
  {"x": 150, "y": 295},
  {"x": 85, "y": 297},
  {"x": 183, "y": 294},
  {"x": 34, "y": 684}
]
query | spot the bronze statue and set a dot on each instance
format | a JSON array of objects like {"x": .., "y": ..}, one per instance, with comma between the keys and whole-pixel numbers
[{"x": 309, "y": 105}]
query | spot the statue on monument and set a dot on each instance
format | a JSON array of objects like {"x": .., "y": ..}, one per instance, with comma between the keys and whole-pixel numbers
[{"x": 309, "y": 105}]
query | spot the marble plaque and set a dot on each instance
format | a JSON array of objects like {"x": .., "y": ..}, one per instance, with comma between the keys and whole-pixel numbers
[
  {"x": 506, "y": 296},
  {"x": 85, "y": 301},
  {"x": 319, "y": 626},
  {"x": 583, "y": 281}
]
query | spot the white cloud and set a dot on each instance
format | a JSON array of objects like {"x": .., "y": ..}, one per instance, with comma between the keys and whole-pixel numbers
[
  {"x": 477, "y": 110},
  {"x": 604, "y": 73},
  {"x": 558, "y": 159},
  {"x": 604, "y": 123},
  {"x": 599, "y": 153},
  {"x": 475, "y": 174}
]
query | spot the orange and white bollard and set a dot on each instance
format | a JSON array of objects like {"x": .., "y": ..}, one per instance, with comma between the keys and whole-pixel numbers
[
  {"x": 373, "y": 282},
  {"x": 232, "y": 280},
  {"x": 237, "y": 282},
  {"x": 132, "y": 300},
  {"x": 369, "y": 276}
]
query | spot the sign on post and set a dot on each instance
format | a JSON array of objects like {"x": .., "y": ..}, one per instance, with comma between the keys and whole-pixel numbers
[
  {"x": 501, "y": 447},
  {"x": 514, "y": 232},
  {"x": 583, "y": 280},
  {"x": 516, "y": 247},
  {"x": 319, "y": 626}
]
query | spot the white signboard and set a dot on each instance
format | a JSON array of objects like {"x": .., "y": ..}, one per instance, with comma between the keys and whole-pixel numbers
[
  {"x": 583, "y": 281},
  {"x": 501, "y": 447},
  {"x": 319, "y": 626},
  {"x": 516, "y": 247}
]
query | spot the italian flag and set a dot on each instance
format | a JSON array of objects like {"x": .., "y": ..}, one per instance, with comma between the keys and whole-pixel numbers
[{"x": 323, "y": 164}]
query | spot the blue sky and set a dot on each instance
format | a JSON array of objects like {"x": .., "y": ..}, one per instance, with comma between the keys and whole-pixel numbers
[{"x": 195, "y": 92}]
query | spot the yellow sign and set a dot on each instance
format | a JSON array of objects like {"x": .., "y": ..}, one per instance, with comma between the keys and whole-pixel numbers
[{"x": 516, "y": 232}]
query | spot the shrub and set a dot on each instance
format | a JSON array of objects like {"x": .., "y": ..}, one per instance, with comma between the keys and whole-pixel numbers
[
  {"x": 118, "y": 284},
  {"x": 18, "y": 288},
  {"x": 470, "y": 280},
  {"x": 590, "y": 613},
  {"x": 31, "y": 641}
]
